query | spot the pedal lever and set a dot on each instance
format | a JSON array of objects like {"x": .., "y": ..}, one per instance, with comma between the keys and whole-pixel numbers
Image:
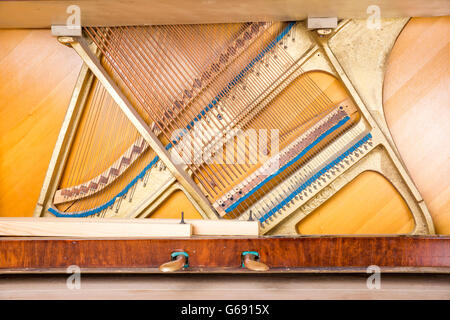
[
  {"x": 178, "y": 262},
  {"x": 251, "y": 261}
]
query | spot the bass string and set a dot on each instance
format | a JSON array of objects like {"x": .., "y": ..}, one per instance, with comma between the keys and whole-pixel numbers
[
  {"x": 213, "y": 118},
  {"x": 111, "y": 62},
  {"x": 249, "y": 95},
  {"x": 267, "y": 126},
  {"x": 127, "y": 92},
  {"x": 214, "y": 123},
  {"x": 168, "y": 81},
  {"x": 236, "y": 112},
  {"x": 217, "y": 125},
  {"x": 165, "y": 90},
  {"x": 191, "y": 115},
  {"x": 266, "y": 81}
]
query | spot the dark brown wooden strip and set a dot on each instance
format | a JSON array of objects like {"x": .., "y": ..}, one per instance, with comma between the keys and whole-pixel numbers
[{"x": 213, "y": 254}]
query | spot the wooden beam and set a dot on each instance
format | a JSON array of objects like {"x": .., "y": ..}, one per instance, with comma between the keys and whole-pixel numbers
[
  {"x": 85, "y": 227},
  {"x": 94, "y": 228},
  {"x": 218, "y": 227}
]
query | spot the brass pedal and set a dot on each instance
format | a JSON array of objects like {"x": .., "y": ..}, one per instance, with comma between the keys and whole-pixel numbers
[
  {"x": 251, "y": 261},
  {"x": 178, "y": 262}
]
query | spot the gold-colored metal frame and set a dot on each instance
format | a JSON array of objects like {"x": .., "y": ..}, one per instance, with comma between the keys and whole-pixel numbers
[
  {"x": 357, "y": 56},
  {"x": 64, "y": 141},
  {"x": 353, "y": 53},
  {"x": 166, "y": 186}
]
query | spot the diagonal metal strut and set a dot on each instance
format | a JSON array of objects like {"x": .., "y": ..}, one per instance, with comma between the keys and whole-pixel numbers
[{"x": 80, "y": 45}]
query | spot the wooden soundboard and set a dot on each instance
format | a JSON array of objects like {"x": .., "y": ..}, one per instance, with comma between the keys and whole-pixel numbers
[{"x": 225, "y": 253}]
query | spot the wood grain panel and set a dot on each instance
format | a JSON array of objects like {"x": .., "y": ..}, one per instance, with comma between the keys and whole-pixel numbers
[
  {"x": 416, "y": 105},
  {"x": 280, "y": 254},
  {"x": 43, "y": 13},
  {"x": 171, "y": 208},
  {"x": 37, "y": 76},
  {"x": 367, "y": 205},
  {"x": 226, "y": 287}
]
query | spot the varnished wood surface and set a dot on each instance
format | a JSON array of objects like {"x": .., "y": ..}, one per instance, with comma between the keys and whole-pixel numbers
[
  {"x": 416, "y": 105},
  {"x": 368, "y": 204},
  {"x": 207, "y": 253},
  {"x": 37, "y": 76},
  {"x": 170, "y": 209}
]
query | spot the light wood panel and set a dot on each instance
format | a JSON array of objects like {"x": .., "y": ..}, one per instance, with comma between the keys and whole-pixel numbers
[
  {"x": 416, "y": 95},
  {"x": 367, "y": 205},
  {"x": 37, "y": 76},
  {"x": 235, "y": 286},
  {"x": 171, "y": 208},
  {"x": 41, "y": 14},
  {"x": 92, "y": 228},
  {"x": 99, "y": 227},
  {"x": 416, "y": 105}
]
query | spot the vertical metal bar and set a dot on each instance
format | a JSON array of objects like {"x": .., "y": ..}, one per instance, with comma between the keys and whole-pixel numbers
[{"x": 65, "y": 138}]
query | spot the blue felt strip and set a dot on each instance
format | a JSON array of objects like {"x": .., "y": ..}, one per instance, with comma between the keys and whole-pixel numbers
[
  {"x": 295, "y": 159},
  {"x": 110, "y": 202},
  {"x": 207, "y": 108},
  {"x": 314, "y": 178}
]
